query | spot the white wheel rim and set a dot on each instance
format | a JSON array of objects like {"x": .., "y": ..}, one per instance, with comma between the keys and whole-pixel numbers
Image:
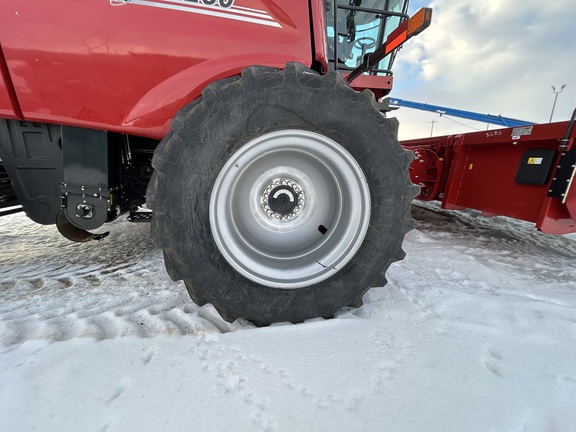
[{"x": 313, "y": 226}]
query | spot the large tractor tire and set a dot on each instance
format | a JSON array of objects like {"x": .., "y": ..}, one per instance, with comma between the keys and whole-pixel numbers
[{"x": 280, "y": 195}]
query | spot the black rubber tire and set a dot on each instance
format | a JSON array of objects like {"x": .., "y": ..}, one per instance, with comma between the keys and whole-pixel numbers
[{"x": 229, "y": 114}]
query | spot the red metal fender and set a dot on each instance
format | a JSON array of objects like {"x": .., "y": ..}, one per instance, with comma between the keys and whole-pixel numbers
[{"x": 152, "y": 114}]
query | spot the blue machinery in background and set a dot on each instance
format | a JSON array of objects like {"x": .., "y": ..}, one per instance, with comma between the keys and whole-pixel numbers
[{"x": 485, "y": 118}]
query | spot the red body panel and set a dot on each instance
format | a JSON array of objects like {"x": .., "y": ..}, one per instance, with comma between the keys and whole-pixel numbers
[
  {"x": 318, "y": 12},
  {"x": 378, "y": 84},
  {"x": 478, "y": 170},
  {"x": 130, "y": 66},
  {"x": 8, "y": 103}
]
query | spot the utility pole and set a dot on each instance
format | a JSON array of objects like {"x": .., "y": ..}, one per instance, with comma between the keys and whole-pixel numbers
[
  {"x": 556, "y": 93},
  {"x": 432, "y": 128}
]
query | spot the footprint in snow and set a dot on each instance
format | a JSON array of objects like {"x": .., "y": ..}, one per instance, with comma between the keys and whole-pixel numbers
[
  {"x": 119, "y": 390},
  {"x": 493, "y": 360},
  {"x": 148, "y": 356}
]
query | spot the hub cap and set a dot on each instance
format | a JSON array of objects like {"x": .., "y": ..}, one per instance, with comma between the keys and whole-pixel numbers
[
  {"x": 289, "y": 209},
  {"x": 283, "y": 199}
]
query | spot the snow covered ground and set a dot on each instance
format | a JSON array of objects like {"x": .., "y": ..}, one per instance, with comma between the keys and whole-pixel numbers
[{"x": 476, "y": 331}]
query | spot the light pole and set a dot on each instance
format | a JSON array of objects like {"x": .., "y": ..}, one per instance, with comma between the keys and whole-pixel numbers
[{"x": 556, "y": 93}]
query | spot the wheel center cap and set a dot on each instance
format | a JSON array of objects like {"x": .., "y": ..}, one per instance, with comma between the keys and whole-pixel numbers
[{"x": 282, "y": 199}]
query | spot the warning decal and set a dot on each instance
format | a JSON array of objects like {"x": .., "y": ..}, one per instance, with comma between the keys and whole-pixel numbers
[{"x": 517, "y": 132}]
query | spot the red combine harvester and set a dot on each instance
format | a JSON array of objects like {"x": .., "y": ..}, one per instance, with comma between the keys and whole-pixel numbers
[{"x": 279, "y": 190}]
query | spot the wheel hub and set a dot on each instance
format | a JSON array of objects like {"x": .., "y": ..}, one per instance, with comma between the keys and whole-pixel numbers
[{"x": 282, "y": 199}]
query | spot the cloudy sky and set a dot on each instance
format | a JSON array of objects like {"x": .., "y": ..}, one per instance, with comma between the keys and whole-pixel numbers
[{"x": 488, "y": 56}]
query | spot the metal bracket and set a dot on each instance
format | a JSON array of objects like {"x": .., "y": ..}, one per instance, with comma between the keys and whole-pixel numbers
[
  {"x": 87, "y": 207},
  {"x": 563, "y": 176},
  {"x": 140, "y": 215},
  {"x": 92, "y": 191}
]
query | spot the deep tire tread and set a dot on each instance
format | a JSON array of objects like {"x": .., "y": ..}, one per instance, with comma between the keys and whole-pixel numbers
[{"x": 184, "y": 234}]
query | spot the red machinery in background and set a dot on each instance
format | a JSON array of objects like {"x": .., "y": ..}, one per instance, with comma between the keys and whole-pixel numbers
[{"x": 524, "y": 172}]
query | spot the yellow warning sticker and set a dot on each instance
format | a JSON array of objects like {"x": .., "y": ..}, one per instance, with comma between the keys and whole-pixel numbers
[{"x": 535, "y": 161}]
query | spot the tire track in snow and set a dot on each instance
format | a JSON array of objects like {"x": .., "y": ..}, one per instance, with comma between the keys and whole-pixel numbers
[
  {"x": 504, "y": 236},
  {"x": 56, "y": 290}
]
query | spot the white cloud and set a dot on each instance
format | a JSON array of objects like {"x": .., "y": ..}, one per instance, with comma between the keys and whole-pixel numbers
[{"x": 492, "y": 57}]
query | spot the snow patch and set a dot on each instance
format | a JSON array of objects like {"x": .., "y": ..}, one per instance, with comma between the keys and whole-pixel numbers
[{"x": 475, "y": 331}]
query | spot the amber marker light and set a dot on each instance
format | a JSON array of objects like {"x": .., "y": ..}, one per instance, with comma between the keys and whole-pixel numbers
[{"x": 418, "y": 22}]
